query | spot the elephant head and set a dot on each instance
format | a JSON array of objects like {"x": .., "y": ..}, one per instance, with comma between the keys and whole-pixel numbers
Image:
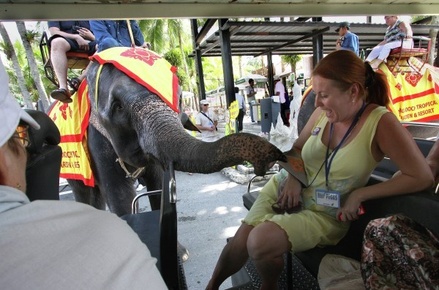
[{"x": 141, "y": 126}]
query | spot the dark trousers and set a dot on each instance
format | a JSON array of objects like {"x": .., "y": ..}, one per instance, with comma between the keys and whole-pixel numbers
[
  {"x": 284, "y": 109},
  {"x": 240, "y": 119}
]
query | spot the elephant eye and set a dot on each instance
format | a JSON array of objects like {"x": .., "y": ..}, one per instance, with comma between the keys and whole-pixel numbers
[{"x": 116, "y": 106}]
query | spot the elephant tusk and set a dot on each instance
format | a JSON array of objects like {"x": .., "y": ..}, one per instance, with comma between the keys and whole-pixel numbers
[{"x": 133, "y": 175}]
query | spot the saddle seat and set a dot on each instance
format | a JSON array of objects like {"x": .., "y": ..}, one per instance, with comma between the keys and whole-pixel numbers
[
  {"x": 398, "y": 60},
  {"x": 76, "y": 60}
]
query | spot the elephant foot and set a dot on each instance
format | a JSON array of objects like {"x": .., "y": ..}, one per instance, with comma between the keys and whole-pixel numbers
[{"x": 182, "y": 252}]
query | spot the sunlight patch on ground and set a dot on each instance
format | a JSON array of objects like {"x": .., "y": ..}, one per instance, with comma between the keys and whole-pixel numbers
[
  {"x": 236, "y": 209},
  {"x": 202, "y": 212},
  {"x": 221, "y": 210},
  {"x": 223, "y": 186},
  {"x": 229, "y": 232}
]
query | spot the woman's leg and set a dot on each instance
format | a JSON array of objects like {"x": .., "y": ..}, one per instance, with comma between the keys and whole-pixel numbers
[
  {"x": 266, "y": 245},
  {"x": 232, "y": 258},
  {"x": 386, "y": 48},
  {"x": 374, "y": 53}
]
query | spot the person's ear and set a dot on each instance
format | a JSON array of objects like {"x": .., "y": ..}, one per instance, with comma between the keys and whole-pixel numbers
[{"x": 355, "y": 90}]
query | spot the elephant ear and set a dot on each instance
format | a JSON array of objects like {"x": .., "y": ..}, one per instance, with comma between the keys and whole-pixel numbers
[
  {"x": 146, "y": 68},
  {"x": 187, "y": 123}
]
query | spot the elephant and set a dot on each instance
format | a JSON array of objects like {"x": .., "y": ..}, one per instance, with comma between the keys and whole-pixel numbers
[{"x": 130, "y": 122}]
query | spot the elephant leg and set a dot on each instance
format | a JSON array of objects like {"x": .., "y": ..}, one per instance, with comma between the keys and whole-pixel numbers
[
  {"x": 86, "y": 194},
  {"x": 152, "y": 178},
  {"x": 117, "y": 190}
]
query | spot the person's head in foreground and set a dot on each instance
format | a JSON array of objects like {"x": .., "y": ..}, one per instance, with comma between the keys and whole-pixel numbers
[
  {"x": 13, "y": 137},
  {"x": 342, "y": 82}
]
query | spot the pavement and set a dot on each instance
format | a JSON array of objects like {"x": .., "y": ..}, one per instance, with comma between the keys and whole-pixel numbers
[{"x": 209, "y": 210}]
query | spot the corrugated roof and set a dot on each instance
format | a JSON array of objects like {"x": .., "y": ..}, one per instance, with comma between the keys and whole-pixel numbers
[{"x": 286, "y": 38}]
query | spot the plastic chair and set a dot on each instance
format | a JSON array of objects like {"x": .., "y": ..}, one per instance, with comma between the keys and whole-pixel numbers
[{"x": 44, "y": 161}]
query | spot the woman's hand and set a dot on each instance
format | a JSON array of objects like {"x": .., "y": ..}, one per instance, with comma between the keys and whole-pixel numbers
[
  {"x": 350, "y": 209},
  {"x": 289, "y": 192}
]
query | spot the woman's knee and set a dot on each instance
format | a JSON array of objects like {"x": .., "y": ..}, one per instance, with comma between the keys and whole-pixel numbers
[{"x": 267, "y": 240}]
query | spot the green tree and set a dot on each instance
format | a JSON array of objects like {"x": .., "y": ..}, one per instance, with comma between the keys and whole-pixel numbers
[
  {"x": 291, "y": 60},
  {"x": 29, "y": 37},
  {"x": 9, "y": 51},
  {"x": 168, "y": 34}
]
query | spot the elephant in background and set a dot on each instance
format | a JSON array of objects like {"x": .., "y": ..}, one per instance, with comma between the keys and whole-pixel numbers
[{"x": 132, "y": 123}]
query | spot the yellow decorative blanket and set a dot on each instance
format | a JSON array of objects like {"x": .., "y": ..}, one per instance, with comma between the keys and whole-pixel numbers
[
  {"x": 414, "y": 96},
  {"x": 72, "y": 121},
  {"x": 143, "y": 66}
]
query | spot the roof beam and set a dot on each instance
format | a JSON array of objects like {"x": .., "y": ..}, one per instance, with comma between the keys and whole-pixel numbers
[{"x": 309, "y": 35}]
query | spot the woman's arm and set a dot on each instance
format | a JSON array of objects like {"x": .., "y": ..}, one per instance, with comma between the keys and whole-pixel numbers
[
  {"x": 407, "y": 29},
  {"x": 433, "y": 160},
  {"x": 290, "y": 194},
  {"x": 395, "y": 142}
]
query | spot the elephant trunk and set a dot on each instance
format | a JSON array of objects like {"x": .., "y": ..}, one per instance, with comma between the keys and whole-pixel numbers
[
  {"x": 193, "y": 155},
  {"x": 162, "y": 136}
]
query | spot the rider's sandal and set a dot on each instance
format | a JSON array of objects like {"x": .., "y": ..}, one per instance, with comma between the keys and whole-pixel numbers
[
  {"x": 62, "y": 95},
  {"x": 74, "y": 84}
]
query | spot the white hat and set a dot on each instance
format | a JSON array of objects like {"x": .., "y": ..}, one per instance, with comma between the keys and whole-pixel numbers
[
  {"x": 10, "y": 111},
  {"x": 276, "y": 78},
  {"x": 204, "y": 102}
]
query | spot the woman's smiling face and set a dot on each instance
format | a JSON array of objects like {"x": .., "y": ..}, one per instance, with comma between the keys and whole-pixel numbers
[{"x": 337, "y": 104}]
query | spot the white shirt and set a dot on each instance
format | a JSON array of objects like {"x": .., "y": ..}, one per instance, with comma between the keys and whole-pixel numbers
[
  {"x": 279, "y": 87},
  {"x": 202, "y": 120},
  {"x": 241, "y": 102},
  {"x": 250, "y": 91},
  {"x": 69, "y": 245}
]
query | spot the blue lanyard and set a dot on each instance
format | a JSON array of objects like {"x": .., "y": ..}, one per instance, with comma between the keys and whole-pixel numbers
[{"x": 330, "y": 157}]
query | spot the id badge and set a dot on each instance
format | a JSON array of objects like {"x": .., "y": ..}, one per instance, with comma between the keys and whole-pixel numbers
[{"x": 328, "y": 198}]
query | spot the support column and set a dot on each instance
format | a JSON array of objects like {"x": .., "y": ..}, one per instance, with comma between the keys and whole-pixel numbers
[
  {"x": 270, "y": 73},
  {"x": 317, "y": 45},
  {"x": 198, "y": 63},
  {"x": 226, "y": 56}
]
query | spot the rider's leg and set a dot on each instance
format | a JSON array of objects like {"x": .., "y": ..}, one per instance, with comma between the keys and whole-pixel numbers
[{"x": 59, "y": 48}]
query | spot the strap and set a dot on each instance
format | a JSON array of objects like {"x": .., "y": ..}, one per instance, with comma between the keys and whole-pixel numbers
[
  {"x": 207, "y": 117},
  {"x": 130, "y": 31}
]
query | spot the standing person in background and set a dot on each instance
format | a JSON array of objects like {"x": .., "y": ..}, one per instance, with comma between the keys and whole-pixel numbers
[
  {"x": 113, "y": 33},
  {"x": 397, "y": 32},
  {"x": 279, "y": 90},
  {"x": 347, "y": 40},
  {"x": 206, "y": 122},
  {"x": 68, "y": 36},
  {"x": 241, "y": 104},
  {"x": 251, "y": 96}
]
